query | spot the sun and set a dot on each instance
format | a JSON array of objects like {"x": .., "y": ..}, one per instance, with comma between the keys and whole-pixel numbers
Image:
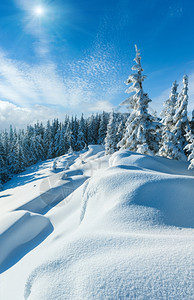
[{"x": 39, "y": 11}]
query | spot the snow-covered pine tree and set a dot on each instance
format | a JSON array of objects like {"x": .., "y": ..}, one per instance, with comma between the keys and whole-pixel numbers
[
  {"x": 121, "y": 123},
  {"x": 169, "y": 146},
  {"x": 102, "y": 128},
  {"x": 62, "y": 145},
  {"x": 111, "y": 140},
  {"x": 75, "y": 126},
  {"x": 57, "y": 142},
  {"x": 12, "y": 154},
  {"x": 53, "y": 147},
  {"x": 169, "y": 108},
  {"x": 92, "y": 129},
  {"x": 4, "y": 174},
  {"x": 190, "y": 149},
  {"x": 20, "y": 164},
  {"x": 139, "y": 134},
  {"x": 181, "y": 127},
  {"x": 81, "y": 137},
  {"x": 38, "y": 147},
  {"x": 47, "y": 139},
  {"x": 69, "y": 136},
  {"x": 28, "y": 146}
]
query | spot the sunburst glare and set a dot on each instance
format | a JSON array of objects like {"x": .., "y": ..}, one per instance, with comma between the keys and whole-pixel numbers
[{"x": 39, "y": 11}]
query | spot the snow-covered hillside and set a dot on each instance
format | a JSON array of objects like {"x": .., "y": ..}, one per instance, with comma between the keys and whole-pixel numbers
[{"x": 98, "y": 227}]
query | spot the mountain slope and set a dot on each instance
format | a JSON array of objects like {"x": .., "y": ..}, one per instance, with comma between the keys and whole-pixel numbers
[{"x": 126, "y": 233}]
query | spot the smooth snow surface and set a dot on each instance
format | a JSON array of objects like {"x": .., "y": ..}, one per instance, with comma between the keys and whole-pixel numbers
[{"x": 98, "y": 227}]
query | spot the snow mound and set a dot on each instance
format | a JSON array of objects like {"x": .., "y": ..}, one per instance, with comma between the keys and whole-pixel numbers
[
  {"x": 152, "y": 163},
  {"x": 129, "y": 189},
  {"x": 93, "y": 150},
  {"x": 19, "y": 232}
]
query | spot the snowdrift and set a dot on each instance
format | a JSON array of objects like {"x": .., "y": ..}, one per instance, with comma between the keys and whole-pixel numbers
[
  {"x": 19, "y": 232},
  {"x": 129, "y": 181},
  {"x": 126, "y": 233}
]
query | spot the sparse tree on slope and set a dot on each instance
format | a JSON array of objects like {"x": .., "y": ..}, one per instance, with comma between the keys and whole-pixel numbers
[{"x": 139, "y": 134}]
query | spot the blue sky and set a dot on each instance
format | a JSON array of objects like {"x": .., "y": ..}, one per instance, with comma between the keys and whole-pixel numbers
[{"x": 76, "y": 56}]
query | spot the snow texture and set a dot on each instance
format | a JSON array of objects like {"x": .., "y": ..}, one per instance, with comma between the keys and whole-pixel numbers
[{"x": 125, "y": 231}]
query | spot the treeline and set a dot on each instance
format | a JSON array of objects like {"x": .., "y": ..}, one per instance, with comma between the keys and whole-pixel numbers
[{"x": 20, "y": 149}]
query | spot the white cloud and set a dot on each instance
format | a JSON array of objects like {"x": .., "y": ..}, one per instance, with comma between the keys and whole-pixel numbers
[
  {"x": 100, "y": 106},
  {"x": 20, "y": 116}
]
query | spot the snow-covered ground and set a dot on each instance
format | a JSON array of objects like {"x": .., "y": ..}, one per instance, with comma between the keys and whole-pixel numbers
[{"x": 98, "y": 227}]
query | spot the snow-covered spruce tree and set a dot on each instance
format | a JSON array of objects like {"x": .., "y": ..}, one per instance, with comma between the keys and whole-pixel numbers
[
  {"x": 47, "y": 139},
  {"x": 70, "y": 141},
  {"x": 169, "y": 146},
  {"x": 169, "y": 108},
  {"x": 140, "y": 134},
  {"x": 20, "y": 165},
  {"x": 4, "y": 174},
  {"x": 102, "y": 128},
  {"x": 92, "y": 129},
  {"x": 81, "y": 137},
  {"x": 120, "y": 130},
  {"x": 12, "y": 154},
  {"x": 62, "y": 149},
  {"x": 181, "y": 127},
  {"x": 190, "y": 149},
  {"x": 111, "y": 139}
]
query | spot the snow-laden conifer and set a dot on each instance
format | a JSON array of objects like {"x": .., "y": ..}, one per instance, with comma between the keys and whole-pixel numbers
[
  {"x": 169, "y": 146},
  {"x": 111, "y": 139},
  {"x": 169, "y": 108},
  {"x": 102, "y": 128},
  {"x": 81, "y": 137},
  {"x": 181, "y": 127},
  {"x": 189, "y": 148},
  {"x": 92, "y": 129},
  {"x": 139, "y": 132}
]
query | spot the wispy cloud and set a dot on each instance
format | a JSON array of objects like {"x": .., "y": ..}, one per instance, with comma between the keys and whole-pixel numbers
[
  {"x": 43, "y": 90},
  {"x": 175, "y": 10}
]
